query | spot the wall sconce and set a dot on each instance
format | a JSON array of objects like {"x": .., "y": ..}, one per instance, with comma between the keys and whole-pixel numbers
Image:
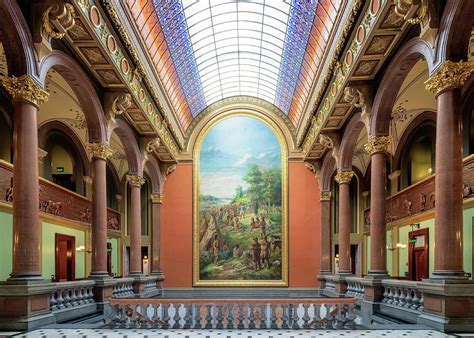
[
  {"x": 397, "y": 247},
  {"x": 145, "y": 260},
  {"x": 81, "y": 248}
]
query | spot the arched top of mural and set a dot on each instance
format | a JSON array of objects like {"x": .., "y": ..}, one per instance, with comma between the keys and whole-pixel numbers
[{"x": 257, "y": 108}]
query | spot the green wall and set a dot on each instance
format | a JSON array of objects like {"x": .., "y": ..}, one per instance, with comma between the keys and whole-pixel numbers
[
  {"x": 48, "y": 248},
  {"x": 467, "y": 235},
  {"x": 389, "y": 253},
  {"x": 6, "y": 230},
  {"x": 115, "y": 261}
]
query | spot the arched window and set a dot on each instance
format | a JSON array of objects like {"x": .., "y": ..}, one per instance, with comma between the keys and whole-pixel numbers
[
  {"x": 145, "y": 206},
  {"x": 63, "y": 164},
  {"x": 6, "y": 138},
  {"x": 418, "y": 157}
]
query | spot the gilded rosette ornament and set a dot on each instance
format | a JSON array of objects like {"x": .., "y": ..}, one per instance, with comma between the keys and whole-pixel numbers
[
  {"x": 135, "y": 180},
  {"x": 378, "y": 144},
  {"x": 24, "y": 88},
  {"x": 325, "y": 196},
  {"x": 344, "y": 177},
  {"x": 156, "y": 198},
  {"x": 450, "y": 75},
  {"x": 99, "y": 150}
]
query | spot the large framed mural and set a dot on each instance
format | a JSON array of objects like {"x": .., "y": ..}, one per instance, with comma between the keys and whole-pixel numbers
[{"x": 240, "y": 204}]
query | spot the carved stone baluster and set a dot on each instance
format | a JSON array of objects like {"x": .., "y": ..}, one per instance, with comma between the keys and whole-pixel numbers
[
  {"x": 188, "y": 308},
  {"x": 263, "y": 316},
  {"x": 209, "y": 316},
  {"x": 176, "y": 317},
  {"x": 396, "y": 296},
  {"x": 230, "y": 316},
  {"x": 402, "y": 298},
  {"x": 415, "y": 301},
  {"x": 60, "y": 299},
  {"x": 74, "y": 298},
  {"x": 408, "y": 298},
  {"x": 328, "y": 319},
  {"x": 251, "y": 317},
  {"x": 52, "y": 301},
  {"x": 285, "y": 316},
  {"x": 306, "y": 316},
  {"x": 421, "y": 307},
  {"x": 91, "y": 295},
  {"x": 273, "y": 317},
  {"x": 293, "y": 308},
  {"x": 316, "y": 322},
  {"x": 219, "y": 317},
  {"x": 165, "y": 308},
  {"x": 385, "y": 295},
  {"x": 67, "y": 298},
  {"x": 198, "y": 324},
  {"x": 339, "y": 318},
  {"x": 240, "y": 318}
]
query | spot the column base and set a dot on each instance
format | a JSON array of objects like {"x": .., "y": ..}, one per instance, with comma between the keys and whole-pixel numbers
[
  {"x": 25, "y": 304},
  {"x": 448, "y": 304},
  {"x": 449, "y": 275},
  {"x": 26, "y": 277}
]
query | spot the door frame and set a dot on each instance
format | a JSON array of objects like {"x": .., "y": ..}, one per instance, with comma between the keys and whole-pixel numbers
[
  {"x": 69, "y": 239},
  {"x": 411, "y": 247}
]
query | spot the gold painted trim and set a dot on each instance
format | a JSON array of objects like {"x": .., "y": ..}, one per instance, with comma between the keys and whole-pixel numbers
[{"x": 284, "y": 220}]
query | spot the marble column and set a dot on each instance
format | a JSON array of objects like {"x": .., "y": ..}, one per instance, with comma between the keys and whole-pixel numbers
[
  {"x": 99, "y": 153},
  {"x": 156, "y": 202},
  {"x": 27, "y": 95},
  {"x": 325, "y": 263},
  {"x": 377, "y": 148},
  {"x": 135, "y": 226},
  {"x": 446, "y": 83},
  {"x": 343, "y": 178}
]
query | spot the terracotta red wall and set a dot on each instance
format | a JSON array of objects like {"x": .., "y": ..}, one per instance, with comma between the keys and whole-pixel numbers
[{"x": 304, "y": 230}]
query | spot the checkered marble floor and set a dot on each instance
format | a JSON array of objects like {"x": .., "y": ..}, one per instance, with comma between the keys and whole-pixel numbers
[{"x": 102, "y": 333}]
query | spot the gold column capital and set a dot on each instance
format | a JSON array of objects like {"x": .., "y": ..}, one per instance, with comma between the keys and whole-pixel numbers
[
  {"x": 135, "y": 180},
  {"x": 24, "y": 88},
  {"x": 99, "y": 150},
  {"x": 450, "y": 75},
  {"x": 325, "y": 196},
  {"x": 378, "y": 144},
  {"x": 156, "y": 198},
  {"x": 344, "y": 177}
]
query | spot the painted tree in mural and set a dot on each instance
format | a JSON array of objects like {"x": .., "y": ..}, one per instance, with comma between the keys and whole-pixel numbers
[{"x": 240, "y": 198}]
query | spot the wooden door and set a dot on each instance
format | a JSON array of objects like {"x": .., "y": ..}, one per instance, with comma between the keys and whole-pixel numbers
[
  {"x": 418, "y": 250},
  {"x": 109, "y": 258},
  {"x": 65, "y": 258}
]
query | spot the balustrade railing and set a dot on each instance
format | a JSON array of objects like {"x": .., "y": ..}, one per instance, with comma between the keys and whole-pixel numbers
[
  {"x": 123, "y": 288},
  {"x": 68, "y": 295},
  {"x": 319, "y": 313},
  {"x": 355, "y": 288},
  {"x": 402, "y": 294}
]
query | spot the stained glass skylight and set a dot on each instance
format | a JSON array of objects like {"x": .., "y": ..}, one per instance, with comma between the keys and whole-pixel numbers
[{"x": 207, "y": 50}]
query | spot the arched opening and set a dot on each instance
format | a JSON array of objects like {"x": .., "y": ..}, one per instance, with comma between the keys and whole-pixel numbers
[
  {"x": 418, "y": 158},
  {"x": 6, "y": 137},
  {"x": 468, "y": 125},
  {"x": 62, "y": 164}
]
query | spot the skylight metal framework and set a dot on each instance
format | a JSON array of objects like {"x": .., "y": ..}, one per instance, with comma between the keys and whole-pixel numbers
[{"x": 207, "y": 50}]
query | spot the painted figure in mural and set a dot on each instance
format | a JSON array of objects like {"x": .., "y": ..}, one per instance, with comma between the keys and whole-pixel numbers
[
  {"x": 239, "y": 208},
  {"x": 256, "y": 251}
]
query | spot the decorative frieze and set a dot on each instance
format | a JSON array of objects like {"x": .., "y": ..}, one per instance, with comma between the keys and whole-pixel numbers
[
  {"x": 344, "y": 177},
  {"x": 24, "y": 88},
  {"x": 135, "y": 180},
  {"x": 99, "y": 150},
  {"x": 378, "y": 144},
  {"x": 325, "y": 196},
  {"x": 450, "y": 75},
  {"x": 156, "y": 198}
]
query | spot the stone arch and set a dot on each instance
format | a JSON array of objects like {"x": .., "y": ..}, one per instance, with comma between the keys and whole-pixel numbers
[
  {"x": 152, "y": 168},
  {"x": 455, "y": 31},
  {"x": 392, "y": 80},
  {"x": 349, "y": 142},
  {"x": 407, "y": 133},
  {"x": 130, "y": 145},
  {"x": 83, "y": 88},
  {"x": 327, "y": 170},
  {"x": 45, "y": 130},
  {"x": 17, "y": 40}
]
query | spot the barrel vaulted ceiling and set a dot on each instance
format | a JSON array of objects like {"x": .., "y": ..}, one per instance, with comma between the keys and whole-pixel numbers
[{"x": 207, "y": 50}]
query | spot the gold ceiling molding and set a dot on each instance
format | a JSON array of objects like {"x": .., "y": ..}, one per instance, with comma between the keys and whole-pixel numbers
[
  {"x": 450, "y": 75},
  {"x": 344, "y": 177},
  {"x": 139, "y": 72},
  {"x": 378, "y": 144},
  {"x": 99, "y": 150},
  {"x": 135, "y": 180},
  {"x": 58, "y": 19},
  {"x": 362, "y": 59},
  {"x": 325, "y": 196},
  {"x": 406, "y": 8},
  {"x": 24, "y": 88},
  {"x": 156, "y": 198}
]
